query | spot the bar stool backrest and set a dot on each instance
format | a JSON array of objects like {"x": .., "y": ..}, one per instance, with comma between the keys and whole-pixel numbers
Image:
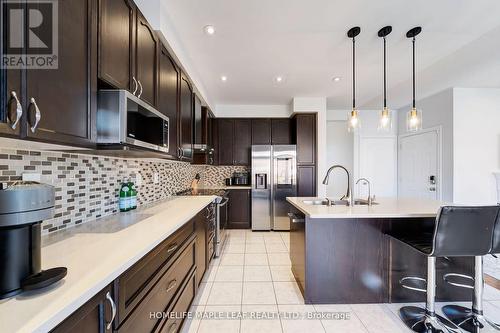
[
  {"x": 464, "y": 231},
  {"x": 496, "y": 237}
]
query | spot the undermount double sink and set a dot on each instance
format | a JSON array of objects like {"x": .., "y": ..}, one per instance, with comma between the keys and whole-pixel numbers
[{"x": 322, "y": 202}]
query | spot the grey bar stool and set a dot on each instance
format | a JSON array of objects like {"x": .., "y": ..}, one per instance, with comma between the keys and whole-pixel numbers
[
  {"x": 459, "y": 231},
  {"x": 474, "y": 320}
]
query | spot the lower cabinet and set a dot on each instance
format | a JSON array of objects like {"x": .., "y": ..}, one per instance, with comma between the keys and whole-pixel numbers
[
  {"x": 239, "y": 209},
  {"x": 95, "y": 316},
  {"x": 306, "y": 181},
  {"x": 155, "y": 293}
]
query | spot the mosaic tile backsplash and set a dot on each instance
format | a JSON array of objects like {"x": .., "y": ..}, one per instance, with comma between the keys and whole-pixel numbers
[{"x": 87, "y": 186}]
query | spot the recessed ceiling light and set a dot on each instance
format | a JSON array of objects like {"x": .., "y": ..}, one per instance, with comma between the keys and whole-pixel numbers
[
  {"x": 223, "y": 78},
  {"x": 209, "y": 29},
  {"x": 337, "y": 79},
  {"x": 279, "y": 79}
]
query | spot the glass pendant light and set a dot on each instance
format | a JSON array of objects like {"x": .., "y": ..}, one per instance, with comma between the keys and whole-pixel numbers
[
  {"x": 353, "y": 122},
  {"x": 385, "y": 121},
  {"x": 414, "y": 116}
]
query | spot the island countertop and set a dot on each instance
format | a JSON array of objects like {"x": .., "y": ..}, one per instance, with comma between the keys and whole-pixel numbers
[
  {"x": 95, "y": 254},
  {"x": 385, "y": 208}
]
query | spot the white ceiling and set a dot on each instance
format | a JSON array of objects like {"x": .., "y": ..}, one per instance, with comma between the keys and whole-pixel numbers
[{"x": 306, "y": 43}]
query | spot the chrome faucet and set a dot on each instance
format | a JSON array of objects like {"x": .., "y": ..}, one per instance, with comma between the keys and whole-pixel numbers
[
  {"x": 366, "y": 181},
  {"x": 348, "y": 196}
]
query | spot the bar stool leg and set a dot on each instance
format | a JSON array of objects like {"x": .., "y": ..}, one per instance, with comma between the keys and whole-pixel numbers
[
  {"x": 472, "y": 320},
  {"x": 426, "y": 320}
]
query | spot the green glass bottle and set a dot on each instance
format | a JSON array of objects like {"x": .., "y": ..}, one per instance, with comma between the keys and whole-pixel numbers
[
  {"x": 133, "y": 195},
  {"x": 124, "y": 197}
]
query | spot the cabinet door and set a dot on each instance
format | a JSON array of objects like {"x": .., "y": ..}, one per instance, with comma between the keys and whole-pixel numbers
[
  {"x": 201, "y": 245},
  {"x": 242, "y": 141},
  {"x": 197, "y": 121},
  {"x": 281, "y": 131},
  {"x": 186, "y": 120},
  {"x": 117, "y": 43},
  {"x": 261, "y": 131},
  {"x": 168, "y": 96},
  {"x": 225, "y": 129},
  {"x": 305, "y": 125},
  {"x": 64, "y": 99},
  {"x": 239, "y": 209},
  {"x": 93, "y": 316},
  {"x": 306, "y": 181},
  {"x": 146, "y": 60}
]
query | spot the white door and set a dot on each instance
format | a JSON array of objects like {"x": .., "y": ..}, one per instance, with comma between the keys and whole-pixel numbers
[{"x": 418, "y": 164}]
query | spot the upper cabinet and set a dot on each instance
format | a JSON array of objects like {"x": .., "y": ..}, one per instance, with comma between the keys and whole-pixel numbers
[
  {"x": 117, "y": 43},
  {"x": 168, "y": 90},
  {"x": 281, "y": 131},
  {"x": 305, "y": 138},
  {"x": 128, "y": 50},
  {"x": 242, "y": 141},
  {"x": 186, "y": 120},
  {"x": 261, "y": 131},
  {"x": 225, "y": 134}
]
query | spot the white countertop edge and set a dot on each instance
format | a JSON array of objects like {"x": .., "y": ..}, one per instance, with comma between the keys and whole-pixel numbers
[{"x": 47, "y": 319}]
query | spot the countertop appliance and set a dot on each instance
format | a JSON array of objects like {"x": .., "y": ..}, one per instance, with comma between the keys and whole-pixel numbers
[
  {"x": 221, "y": 214},
  {"x": 125, "y": 121},
  {"x": 23, "y": 207},
  {"x": 240, "y": 178},
  {"x": 274, "y": 177}
]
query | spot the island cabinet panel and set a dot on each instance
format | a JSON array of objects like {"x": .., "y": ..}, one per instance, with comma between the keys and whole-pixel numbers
[
  {"x": 297, "y": 248},
  {"x": 239, "y": 209},
  {"x": 281, "y": 131},
  {"x": 261, "y": 131},
  {"x": 93, "y": 317}
]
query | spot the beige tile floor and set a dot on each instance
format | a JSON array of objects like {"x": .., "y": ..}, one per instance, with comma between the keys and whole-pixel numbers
[{"x": 253, "y": 277}]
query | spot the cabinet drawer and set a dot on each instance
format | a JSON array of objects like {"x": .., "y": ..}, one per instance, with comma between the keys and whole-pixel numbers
[
  {"x": 176, "y": 316},
  {"x": 135, "y": 283},
  {"x": 158, "y": 299}
]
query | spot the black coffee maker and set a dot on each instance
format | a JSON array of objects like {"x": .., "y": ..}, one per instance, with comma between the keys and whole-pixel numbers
[{"x": 23, "y": 207}]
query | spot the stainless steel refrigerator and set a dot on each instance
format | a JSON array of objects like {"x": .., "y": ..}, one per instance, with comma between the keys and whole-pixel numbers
[{"x": 274, "y": 177}]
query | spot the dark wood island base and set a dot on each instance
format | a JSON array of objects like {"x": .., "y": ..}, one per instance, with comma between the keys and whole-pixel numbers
[{"x": 353, "y": 260}]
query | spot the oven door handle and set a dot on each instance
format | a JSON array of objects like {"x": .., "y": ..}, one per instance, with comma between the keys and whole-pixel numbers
[{"x": 224, "y": 202}]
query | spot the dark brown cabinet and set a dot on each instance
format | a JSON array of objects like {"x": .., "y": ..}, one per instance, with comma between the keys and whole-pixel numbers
[
  {"x": 305, "y": 127},
  {"x": 207, "y": 126},
  {"x": 281, "y": 131},
  {"x": 306, "y": 180},
  {"x": 186, "y": 120},
  {"x": 62, "y": 102},
  {"x": 93, "y": 317},
  {"x": 261, "y": 131},
  {"x": 201, "y": 245},
  {"x": 239, "y": 209},
  {"x": 117, "y": 43},
  {"x": 168, "y": 88},
  {"x": 225, "y": 133},
  {"x": 242, "y": 141},
  {"x": 10, "y": 96},
  {"x": 146, "y": 60}
]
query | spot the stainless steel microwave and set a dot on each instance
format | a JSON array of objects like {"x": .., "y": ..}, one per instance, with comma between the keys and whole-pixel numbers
[{"x": 124, "y": 119}]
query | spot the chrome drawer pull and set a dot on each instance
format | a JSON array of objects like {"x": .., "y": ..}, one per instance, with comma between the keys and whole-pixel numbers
[
  {"x": 140, "y": 86},
  {"x": 172, "y": 328},
  {"x": 19, "y": 110},
  {"x": 38, "y": 115},
  {"x": 113, "y": 310},
  {"x": 172, "y": 248},
  {"x": 172, "y": 284},
  {"x": 136, "y": 86}
]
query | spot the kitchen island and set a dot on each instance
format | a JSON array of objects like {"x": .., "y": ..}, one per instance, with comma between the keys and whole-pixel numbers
[{"x": 342, "y": 254}]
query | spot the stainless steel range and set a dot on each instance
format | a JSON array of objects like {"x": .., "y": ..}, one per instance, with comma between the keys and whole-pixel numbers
[{"x": 221, "y": 216}]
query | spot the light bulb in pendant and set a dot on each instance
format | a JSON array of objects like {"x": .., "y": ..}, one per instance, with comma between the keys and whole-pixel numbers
[
  {"x": 353, "y": 122},
  {"x": 385, "y": 121},
  {"x": 414, "y": 120}
]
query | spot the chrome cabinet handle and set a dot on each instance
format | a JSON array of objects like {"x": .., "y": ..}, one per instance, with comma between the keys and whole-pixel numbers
[
  {"x": 172, "y": 284},
  {"x": 140, "y": 85},
  {"x": 113, "y": 310},
  {"x": 181, "y": 150},
  {"x": 19, "y": 110},
  {"x": 37, "y": 116},
  {"x": 172, "y": 328},
  {"x": 135, "y": 85},
  {"x": 172, "y": 248}
]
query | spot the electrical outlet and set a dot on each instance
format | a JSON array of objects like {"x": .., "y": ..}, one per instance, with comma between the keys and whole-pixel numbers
[
  {"x": 31, "y": 177},
  {"x": 156, "y": 177},
  {"x": 138, "y": 179}
]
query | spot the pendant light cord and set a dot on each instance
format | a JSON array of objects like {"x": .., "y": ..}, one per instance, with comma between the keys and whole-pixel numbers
[
  {"x": 385, "y": 89},
  {"x": 353, "y": 74},
  {"x": 413, "y": 42}
]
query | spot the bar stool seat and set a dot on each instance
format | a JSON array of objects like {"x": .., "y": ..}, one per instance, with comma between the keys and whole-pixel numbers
[{"x": 459, "y": 231}]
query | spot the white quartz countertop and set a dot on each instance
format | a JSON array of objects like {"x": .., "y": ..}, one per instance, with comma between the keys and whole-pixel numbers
[
  {"x": 224, "y": 187},
  {"x": 386, "y": 208},
  {"x": 95, "y": 254}
]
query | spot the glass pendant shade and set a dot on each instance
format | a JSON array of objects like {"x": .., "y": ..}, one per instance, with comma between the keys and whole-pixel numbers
[
  {"x": 414, "y": 120},
  {"x": 354, "y": 121},
  {"x": 385, "y": 120}
]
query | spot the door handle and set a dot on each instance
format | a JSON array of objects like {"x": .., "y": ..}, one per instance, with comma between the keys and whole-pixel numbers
[
  {"x": 136, "y": 86},
  {"x": 34, "y": 120},
  {"x": 172, "y": 284},
  {"x": 140, "y": 86},
  {"x": 113, "y": 310},
  {"x": 14, "y": 101}
]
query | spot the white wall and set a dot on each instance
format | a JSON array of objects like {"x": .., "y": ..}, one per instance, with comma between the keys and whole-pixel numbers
[
  {"x": 437, "y": 110},
  {"x": 339, "y": 150},
  {"x": 317, "y": 105},
  {"x": 476, "y": 131},
  {"x": 253, "y": 111}
]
